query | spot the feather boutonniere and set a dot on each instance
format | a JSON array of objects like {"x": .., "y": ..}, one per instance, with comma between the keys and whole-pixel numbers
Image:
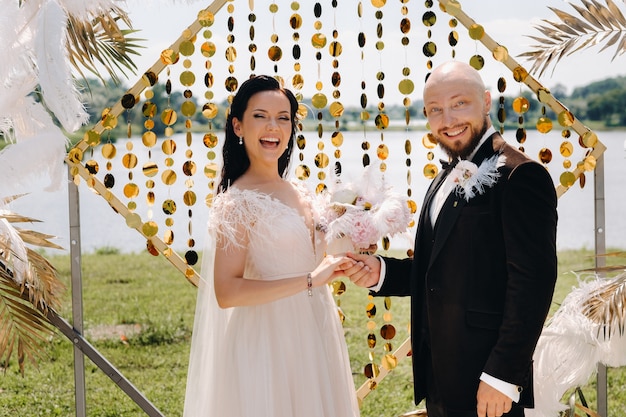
[{"x": 471, "y": 180}]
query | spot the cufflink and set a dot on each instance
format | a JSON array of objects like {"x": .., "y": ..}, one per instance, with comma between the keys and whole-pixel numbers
[{"x": 519, "y": 389}]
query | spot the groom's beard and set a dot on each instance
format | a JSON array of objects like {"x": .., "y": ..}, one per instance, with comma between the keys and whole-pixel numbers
[{"x": 467, "y": 150}]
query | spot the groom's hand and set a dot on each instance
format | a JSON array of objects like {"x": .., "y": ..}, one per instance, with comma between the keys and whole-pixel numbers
[
  {"x": 364, "y": 270},
  {"x": 491, "y": 402}
]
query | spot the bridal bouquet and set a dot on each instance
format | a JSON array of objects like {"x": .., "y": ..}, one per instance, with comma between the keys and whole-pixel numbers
[{"x": 361, "y": 213}]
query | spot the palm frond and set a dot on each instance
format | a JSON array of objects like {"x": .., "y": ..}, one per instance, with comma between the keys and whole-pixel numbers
[
  {"x": 28, "y": 236},
  {"x": 619, "y": 254},
  {"x": 29, "y": 287},
  {"x": 597, "y": 24},
  {"x": 101, "y": 42},
  {"x": 16, "y": 218},
  {"x": 604, "y": 269},
  {"x": 6, "y": 200},
  {"x": 44, "y": 287},
  {"x": 39, "y": 239},
  {"x": 21, "y": 324},
  {"x": 607, "y": 306}
]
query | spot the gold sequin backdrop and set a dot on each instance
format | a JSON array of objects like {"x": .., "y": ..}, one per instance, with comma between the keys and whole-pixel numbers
[{"x": 335, "y": 55}]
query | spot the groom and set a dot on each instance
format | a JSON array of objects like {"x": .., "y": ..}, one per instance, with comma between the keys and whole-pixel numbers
[{"x": 483, "y": 274}]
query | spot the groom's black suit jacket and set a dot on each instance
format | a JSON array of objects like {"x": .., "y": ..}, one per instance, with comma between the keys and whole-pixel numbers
[{"x": 481, "y": 280}]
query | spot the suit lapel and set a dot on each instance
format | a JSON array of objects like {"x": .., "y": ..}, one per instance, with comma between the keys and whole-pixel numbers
[
  {"x": 425, "y": 227},
  {"x": 446, "y": 220},
  {"x": 454, "y": 203},
  {"x": 430, "y": 193}
]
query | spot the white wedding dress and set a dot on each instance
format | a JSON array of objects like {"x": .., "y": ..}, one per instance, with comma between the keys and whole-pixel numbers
[{"x": 286, "y": 358}]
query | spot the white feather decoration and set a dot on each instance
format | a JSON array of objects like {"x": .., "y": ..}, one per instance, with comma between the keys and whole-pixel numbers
[
  {"x": 55, "y": 75},
  {"x": 24, "y": 164},
  {"x": 85, "y": 10},
  {"x": 14, "y": 96},
  {"x": 12, "y": 23},
  {"x": 569, "y": 349},
  {"x": 17, "y": 70},
  {"x": 29, "y": 118},
  {"x": 39, "y": 151},
  {"x": 16, "y": 257}
]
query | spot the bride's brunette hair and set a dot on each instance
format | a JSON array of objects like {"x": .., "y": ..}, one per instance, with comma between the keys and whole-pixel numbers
[{"x": 235, "y": 158}]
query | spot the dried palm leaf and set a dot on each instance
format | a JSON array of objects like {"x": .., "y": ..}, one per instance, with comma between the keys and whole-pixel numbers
[
  {"x": 597, "y": 25},
  {"x": 29, "y": 287},
  {"x": 6, "y": 200},
  {"x": 606, "y": 306},
  {"x": 17, "y": 218},
  {"x": 28, "y": 236},
  {"x": 611, "y": 268},
  {"x": 21, "y": 324},
  {"x": 41, "y": 240},
  {"x": 101, "y": 42},
  {"x": 620, "y": 254}
]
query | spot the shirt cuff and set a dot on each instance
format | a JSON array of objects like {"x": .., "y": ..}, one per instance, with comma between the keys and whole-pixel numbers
[
  {"x": 510, "y": 390},
  {"x": 381, "y": 277}
]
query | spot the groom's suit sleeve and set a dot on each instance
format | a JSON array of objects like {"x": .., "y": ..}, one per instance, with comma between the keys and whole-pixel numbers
[{"x": 529, "y": 219}]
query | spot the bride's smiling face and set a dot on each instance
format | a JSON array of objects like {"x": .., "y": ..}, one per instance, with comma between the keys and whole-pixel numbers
[{"x": 266, "y": 126}]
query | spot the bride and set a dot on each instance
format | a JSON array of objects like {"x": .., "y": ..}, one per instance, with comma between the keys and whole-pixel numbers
[{"x": 267, "y": 339}]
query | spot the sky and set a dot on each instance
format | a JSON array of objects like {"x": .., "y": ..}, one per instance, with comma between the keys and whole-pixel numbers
[{"x": 508, "y": 22}]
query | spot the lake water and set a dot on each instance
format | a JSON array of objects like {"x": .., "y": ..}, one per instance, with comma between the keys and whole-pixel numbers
[{"x": 102, "y": 227}]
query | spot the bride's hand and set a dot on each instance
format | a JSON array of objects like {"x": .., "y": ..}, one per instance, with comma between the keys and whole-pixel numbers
[{"x": 329, "y": 269}]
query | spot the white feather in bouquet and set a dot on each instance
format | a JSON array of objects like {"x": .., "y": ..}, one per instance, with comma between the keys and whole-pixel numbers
[{"x": 364, "y": 210}]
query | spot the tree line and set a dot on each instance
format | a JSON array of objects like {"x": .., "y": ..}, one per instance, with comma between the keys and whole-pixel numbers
[{"x": 601, "y": 103}]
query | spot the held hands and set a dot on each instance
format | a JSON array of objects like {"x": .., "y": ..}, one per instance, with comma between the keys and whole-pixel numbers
[
  {"x": 362, "y": 269},
  {"x": 329, "y": 269},
  {"x": 491, "y": 402}
]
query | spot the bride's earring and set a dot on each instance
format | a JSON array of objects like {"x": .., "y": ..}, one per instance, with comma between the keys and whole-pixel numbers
[{"x": 241, "y": 140}]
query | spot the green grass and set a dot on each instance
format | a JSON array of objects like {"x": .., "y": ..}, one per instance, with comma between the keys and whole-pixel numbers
[{"x": 146, "y": 307}]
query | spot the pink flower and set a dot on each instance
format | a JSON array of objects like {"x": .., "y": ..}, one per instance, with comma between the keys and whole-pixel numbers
[{"x": 364, "y": 233}]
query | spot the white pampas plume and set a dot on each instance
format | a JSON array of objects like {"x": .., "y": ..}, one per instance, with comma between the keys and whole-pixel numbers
[
  {"x": 14, "y": 37},
  {"x": 85, "y": 10},
  {"x": 29, "y": 118},
  {"x": 39, "y": 151},
  {"x": 55, "y": 76},
  {"x": 14, "y": 95},
  {"x": 40, "y": 157}
]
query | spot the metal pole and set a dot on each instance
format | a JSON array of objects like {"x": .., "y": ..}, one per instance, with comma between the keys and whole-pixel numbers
[
  {"x": 82, "y": 345},
  {"x": 600, "y": 244},
  {"x": 77, "y": 294}
]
